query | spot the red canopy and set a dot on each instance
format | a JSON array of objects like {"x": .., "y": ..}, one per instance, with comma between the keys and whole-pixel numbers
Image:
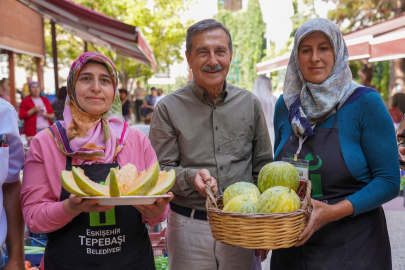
[
  {"x": 96, "y": 28},
  {"x": 382, "y": 41}
]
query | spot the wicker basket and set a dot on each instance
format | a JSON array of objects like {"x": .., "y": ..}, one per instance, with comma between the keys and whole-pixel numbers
[{"x": 258, "y": 231}]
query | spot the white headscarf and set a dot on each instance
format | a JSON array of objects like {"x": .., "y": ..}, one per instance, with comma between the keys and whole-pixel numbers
[
  {"x": 262, "y": 89},
  {"x": 310, "y": 104}
]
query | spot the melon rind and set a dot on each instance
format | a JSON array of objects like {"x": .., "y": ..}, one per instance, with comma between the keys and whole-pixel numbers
[
  {"x": 163, "y": 187},
  {"x": 278, "y": 173},
  {"x": 107, "y": 179},
  {"x": 241, "y": 188},
  {"x": 145, "y": 182},
  {"x": 240, "y": 204},
  {"x": 278, "y": 200},
  {"x": 113, "y": 184},
  {"x": 69, "y": 184},
  {"x": 87, "y": 186}
]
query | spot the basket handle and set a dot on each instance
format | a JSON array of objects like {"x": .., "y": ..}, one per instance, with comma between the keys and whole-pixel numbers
[
  {"x": 308, "y": 200},
  {"x": 210, "y": 196}
]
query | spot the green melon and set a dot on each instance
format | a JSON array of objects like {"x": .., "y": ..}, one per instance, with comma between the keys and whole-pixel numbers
[
  {"x": 240, "y": 204},
  {"x": 145, "y": 182},
  {"x": 241, "y": 188},
  {"x": 165, "y": 183},
  {"x": 278, "y": 200},
  {"x": 113, "y": 183},
  {"x": 278, "y": 173},
  {"x": 89, "y": 187},
  {"x": 68, "y": 183}
]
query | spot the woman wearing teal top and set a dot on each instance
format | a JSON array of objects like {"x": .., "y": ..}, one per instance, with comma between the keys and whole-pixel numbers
[{"x": 346, "y": 133}]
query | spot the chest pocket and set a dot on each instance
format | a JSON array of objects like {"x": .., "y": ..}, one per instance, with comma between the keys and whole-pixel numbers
[{"x": 241, "y": 144}]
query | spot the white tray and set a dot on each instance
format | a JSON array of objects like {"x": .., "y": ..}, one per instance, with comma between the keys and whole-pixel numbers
[{"x": 127, "y": 200}]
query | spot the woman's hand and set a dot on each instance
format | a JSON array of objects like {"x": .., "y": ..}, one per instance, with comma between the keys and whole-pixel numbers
[
  {"x": 322, "y": 214},
  {"x": 154, "y": 210},
  {"x": 75, "y": 205},
  {"x": 34, "y": 110}
]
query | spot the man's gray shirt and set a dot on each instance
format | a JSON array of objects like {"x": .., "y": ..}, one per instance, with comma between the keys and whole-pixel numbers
[{"x": 230, "y": 139}]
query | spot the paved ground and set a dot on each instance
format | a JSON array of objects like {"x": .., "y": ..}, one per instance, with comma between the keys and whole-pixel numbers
[{"x": 395, "y": 214}]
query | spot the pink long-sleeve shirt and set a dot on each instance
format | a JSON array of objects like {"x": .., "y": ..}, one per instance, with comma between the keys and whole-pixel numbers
[{"x": 41, "y": 186}]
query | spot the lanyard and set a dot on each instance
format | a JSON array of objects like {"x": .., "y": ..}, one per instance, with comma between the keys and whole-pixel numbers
[{"x": 301, "y": 141}]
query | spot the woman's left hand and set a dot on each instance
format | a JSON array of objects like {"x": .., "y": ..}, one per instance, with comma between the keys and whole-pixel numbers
[
  {"x": 321, "y": 215},
  {"x": 154, "y": 210}
]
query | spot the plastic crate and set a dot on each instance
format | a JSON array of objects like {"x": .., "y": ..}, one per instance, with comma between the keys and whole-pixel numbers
[
  {"x": 40, "y": 237},
  {"x": 34, "y": 259}
]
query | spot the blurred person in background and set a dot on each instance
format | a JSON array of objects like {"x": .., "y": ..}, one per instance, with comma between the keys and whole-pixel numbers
[
  {"x": 11, "y": 162},
  {"x": 137, "y": 97},
  {"x": 160, "y": 95},
  {"x": 262, "y": 89},
  {"x": 126, "y": 106},
  {"x": 148, "y": 105},
  {"x": 5, "y": 89},
  {"x": 25, "y": 89},
  {"x": 58, "y": 104},
  {"x": 144, "y": 127},
  {"x": 36, "y": 111}
]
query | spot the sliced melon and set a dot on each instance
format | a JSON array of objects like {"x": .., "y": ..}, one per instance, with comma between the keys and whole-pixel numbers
[
  {"x": 113, "y": 184},
  {"x": 87, "y": 186},
  {"x": 145, "y": 182},
  {"x": 165, "y": 182},
  {"x": 68, "y": 183},
  {"x": 126, "y": 176},
  {"x": 107, "y": 179}
]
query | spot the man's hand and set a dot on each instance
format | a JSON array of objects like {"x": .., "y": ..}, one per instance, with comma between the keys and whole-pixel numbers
[
  {"x": 203, "y": 176},
  {"x": 75, "y": 205},
  {"x": 263, "y": 253},
  {"x": 154, "y": 210},
  {"x": 14, "y": 265},
  {"x": 15, "y": 226}
]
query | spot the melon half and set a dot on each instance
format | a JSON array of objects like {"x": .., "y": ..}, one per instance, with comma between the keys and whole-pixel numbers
[
  {"x": 89, "y": 187},
  {"x": 145, "y": 182},
  {"x": 69, "y": 183},
  {"x": 165, "y": 183}
]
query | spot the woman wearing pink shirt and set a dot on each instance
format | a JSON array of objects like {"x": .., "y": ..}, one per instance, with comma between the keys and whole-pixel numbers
[
  {"x": 93, "y": 136},
  {"x": 36, "y": 111}
]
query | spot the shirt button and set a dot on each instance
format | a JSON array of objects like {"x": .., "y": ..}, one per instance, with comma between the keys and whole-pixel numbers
[
  {"x": 219, "y": 149},
  {"x": 223, "y": 189},
  {"x": 215, "y": 107},
  {"x": 216, "y": 128},
  {"x": 221, "y": 168}
]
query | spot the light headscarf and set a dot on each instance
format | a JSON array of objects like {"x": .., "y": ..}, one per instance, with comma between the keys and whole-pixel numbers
[
  {"x": 90, "y": 138},
  {"x": 262, "y": 89},
  {"x": 310, "y": 104}
]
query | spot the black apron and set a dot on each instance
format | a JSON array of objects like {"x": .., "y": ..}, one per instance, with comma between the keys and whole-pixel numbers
[
  {"x": 116, "y": 239},
  {"x": 356, "y": 243}
]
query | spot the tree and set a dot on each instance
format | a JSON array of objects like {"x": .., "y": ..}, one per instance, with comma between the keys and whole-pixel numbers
[
  {"x": 247, "y": 31},
  {"x": 161, "y": 25},
  {"x": 363, "y": 13}
]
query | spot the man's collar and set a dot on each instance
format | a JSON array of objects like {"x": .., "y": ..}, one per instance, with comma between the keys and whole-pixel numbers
[{"x": 203, "y": 95}]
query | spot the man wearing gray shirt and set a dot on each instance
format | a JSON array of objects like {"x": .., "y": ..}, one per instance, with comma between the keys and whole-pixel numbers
[{"x": 207, "y": 130}]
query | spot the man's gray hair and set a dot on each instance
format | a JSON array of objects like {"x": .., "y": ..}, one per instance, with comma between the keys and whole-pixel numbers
[{"x": 205, "y": 25}]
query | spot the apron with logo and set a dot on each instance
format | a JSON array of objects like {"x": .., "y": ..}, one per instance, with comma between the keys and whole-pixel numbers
[
  {"x": 355, "y": 243},
  {"x": 116, "y": 239}
]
